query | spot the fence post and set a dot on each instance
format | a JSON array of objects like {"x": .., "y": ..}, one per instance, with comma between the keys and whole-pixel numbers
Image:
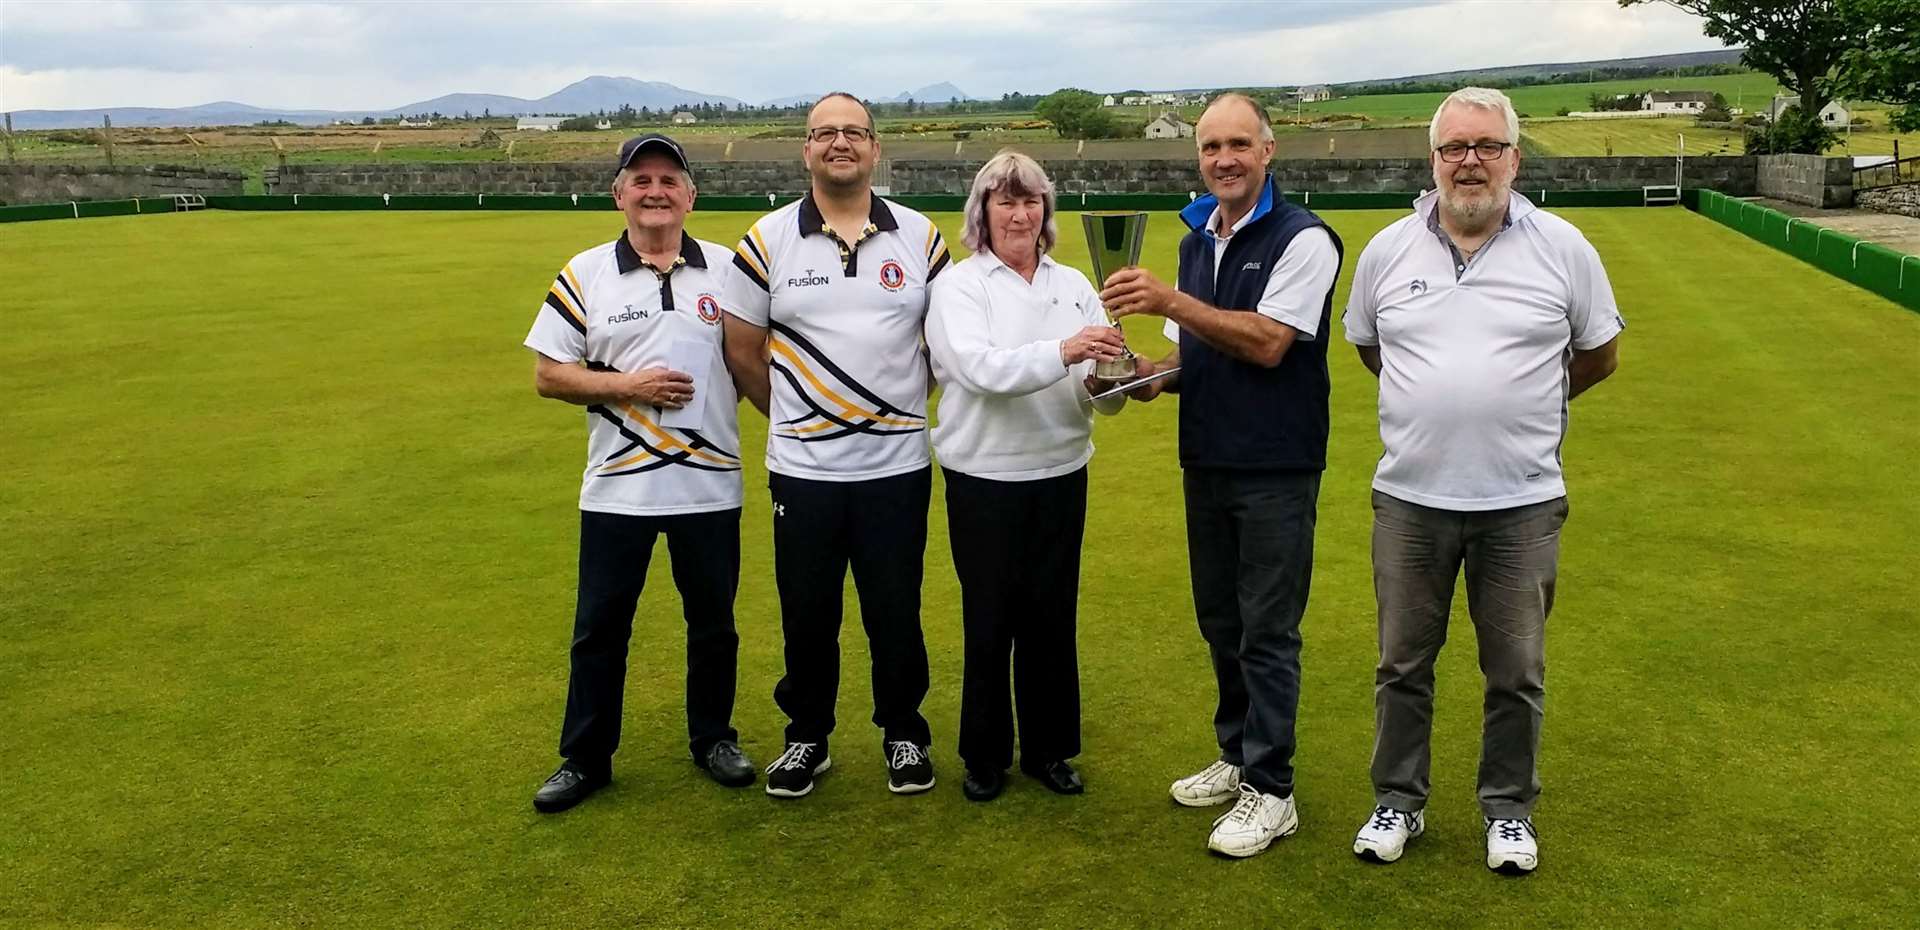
[{"x": 9, "y": 138}]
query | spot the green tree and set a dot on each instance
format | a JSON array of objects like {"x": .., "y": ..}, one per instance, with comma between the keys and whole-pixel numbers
[
  {"x": 1800, "y": 42},
  {"x": 1074, "y": 113},
  {"x": 1885, "y": 66}
]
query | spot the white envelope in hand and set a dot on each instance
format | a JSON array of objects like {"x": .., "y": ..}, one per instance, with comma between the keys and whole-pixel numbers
[{"x": 695, "y": 359}]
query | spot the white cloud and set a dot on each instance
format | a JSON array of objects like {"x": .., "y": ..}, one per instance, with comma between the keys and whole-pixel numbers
[{"x": 379, "y": 55}]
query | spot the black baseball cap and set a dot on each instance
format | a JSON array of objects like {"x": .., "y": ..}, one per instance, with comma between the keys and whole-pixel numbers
[{"x": 656, "y": 142}]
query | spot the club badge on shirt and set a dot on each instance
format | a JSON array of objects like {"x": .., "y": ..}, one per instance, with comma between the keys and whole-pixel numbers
[{"x": 892, "y": 276}]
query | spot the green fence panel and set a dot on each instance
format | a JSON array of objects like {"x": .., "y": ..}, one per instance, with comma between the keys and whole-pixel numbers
[
  {"x": 527, "y": 202},
  {"x": 251, "y": 202},
  {"x": 36, "y": 211},
  {"x": 1802, "y": 239},
  {"x": 1877, "y": 268},
  {"x": 1773, "y": 228},
  {"x": 435, "y": 202},
  {"x": 1833, "y": 253}
]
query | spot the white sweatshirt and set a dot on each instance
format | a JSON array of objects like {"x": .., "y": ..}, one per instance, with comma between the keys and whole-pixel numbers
[{"x": 1009, "y": 409}]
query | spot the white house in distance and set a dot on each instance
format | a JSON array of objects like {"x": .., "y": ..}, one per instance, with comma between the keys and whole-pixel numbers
[
  {"x": 1676, "y": 101},
  {"x": 539, "y": 123},
  {"x": 682, "y": 118},
  {"x": 1169, "y": 126},
  {"x": 1155, "y": 100},
  {"x": 1107, "y": 101},
  {"x": 1833, "y": 114},
  {"x": 414, "y": 124},
  {"x": 603, "y": 123},
  {"x": 1313, "y": 93}
]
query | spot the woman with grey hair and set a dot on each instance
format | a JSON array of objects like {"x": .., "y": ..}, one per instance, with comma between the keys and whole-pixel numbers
[{"x": 1014, "y": 336}]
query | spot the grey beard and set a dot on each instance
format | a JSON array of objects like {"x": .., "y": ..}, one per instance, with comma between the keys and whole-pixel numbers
[{"x": 1472, "y": 215}]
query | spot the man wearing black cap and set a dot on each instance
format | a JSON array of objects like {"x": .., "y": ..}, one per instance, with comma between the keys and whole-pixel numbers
[{"x": 631, "y": 330}]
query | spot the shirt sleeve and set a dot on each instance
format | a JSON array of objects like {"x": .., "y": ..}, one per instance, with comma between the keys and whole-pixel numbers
[
  {"x": 1591, "y": 311},
  {"x": 1298, "y": 286},
  {"x": 1171, "y": 330},
  {"x": 962, "y": 349},
  {"x": 560, "y": 326},
  {"x": 937, "y": 256},
  {"x": 747, "y": 293},
  {"x": 1360, "y": 319}
]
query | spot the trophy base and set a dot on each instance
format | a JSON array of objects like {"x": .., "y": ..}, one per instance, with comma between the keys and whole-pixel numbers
[{"x": 1119, "y": 369}]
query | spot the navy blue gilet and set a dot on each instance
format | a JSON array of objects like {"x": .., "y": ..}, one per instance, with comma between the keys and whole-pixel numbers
[{"x": 1239, "y": 415}]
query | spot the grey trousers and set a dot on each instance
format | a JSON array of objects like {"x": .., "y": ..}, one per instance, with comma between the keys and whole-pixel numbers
[
  {"x": 1510, "y": 557},
  {"x": 1250, "y": 550}
]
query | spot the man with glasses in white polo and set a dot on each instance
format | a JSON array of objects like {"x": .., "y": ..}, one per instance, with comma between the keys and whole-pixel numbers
[
  {"x": 1483, "y": 316},
  {"x": 825, "y": 303}
]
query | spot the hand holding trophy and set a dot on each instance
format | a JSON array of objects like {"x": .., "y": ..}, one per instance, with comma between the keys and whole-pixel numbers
[{"x": 1113, "y": 242}]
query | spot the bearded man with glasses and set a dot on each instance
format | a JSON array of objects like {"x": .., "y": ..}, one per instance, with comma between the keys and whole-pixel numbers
[
  {"x": 825, "y": 303},
  {"x": 1482, "y": 316}
]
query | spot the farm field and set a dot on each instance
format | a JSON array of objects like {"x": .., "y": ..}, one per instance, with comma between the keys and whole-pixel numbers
[
  {"x": 1658, "y": 136},
  {"x": 1752, "y": 91},
  {"x": 289, "y": 570}
]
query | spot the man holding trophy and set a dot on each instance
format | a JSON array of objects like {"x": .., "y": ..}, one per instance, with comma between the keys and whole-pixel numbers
[{"x": 1250, "y": 317}]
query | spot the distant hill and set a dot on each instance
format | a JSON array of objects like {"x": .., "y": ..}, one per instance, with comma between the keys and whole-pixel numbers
[
  {"x": 588, "y": 95},
  {"x": 1719, "y": 56},
  {"x": 931, "y": 94},
  {"x": 793, "y": 100}
]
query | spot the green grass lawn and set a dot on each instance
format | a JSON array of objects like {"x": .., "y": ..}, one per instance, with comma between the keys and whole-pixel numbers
[{"x": 287, "y": 580}]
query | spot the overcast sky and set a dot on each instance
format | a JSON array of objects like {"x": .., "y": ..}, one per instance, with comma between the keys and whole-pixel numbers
[{"x": 68, "y": 55}]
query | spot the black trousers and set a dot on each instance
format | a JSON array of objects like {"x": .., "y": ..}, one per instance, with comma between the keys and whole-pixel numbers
[
  {"x": 1016, "y": 548},
  {"x": 614, "y": 552},
  {"x": 1250, "y": 547},
  {"x": 879, "y": 527}
]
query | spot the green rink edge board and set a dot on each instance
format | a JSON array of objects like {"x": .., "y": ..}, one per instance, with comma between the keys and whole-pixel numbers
[{"x": 1884, "y": 271}]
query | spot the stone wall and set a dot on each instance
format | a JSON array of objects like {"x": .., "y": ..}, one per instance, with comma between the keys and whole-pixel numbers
[
  {"x": 59, "y": 183},
  {"x": 1812, "y": 180},
  {"x": 734, "y": 177},
  {"x": 1903, "y": 199},
  {"x": 1734, "y": 175}
]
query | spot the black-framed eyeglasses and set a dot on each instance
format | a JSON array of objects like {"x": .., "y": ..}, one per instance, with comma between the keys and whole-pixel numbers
[
  {"x": 824, "y": 135},
  {"x": 1456, "y": 152}
]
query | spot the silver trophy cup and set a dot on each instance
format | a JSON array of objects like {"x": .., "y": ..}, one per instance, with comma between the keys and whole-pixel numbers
[{"x": 1113, "y": 242}]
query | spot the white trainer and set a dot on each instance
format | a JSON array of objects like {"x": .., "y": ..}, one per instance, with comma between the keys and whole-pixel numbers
[
  {"x": 1254, "y": 823},
  {"x": 1513, "y": 846},
  {"x": 1385, "y": 834},
  {"x": 1216, "y": 784}
]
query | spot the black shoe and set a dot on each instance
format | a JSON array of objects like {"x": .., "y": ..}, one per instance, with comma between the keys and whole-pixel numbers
[
  {"x": 909, "y": 768},
  {"x": 569, "y": 785},
  {"x": 983, "y": 784},
  {"x": 791, "y": 775},
  {"x": 1059, "y": 777},
  {"x": 726, "y": 764}
]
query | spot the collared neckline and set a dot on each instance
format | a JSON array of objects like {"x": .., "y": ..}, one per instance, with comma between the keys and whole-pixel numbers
[
  {"x": 986, "y": 255},
  {"x": 626, "y": 258},
  {"x": 1199, "y": 214},
  {"x": 1428, "y": 206},
  {"x": 878, "y": 216}
]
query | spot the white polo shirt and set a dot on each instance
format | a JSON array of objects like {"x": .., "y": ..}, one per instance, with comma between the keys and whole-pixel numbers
[
  {"x": 612, "y": 310},
  {"x": 1473, "y": 354},
  {"x": 1010, "y": 409},
  {"x": 1296, "y": 285},
  {"x": 844, "y": 316}
]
